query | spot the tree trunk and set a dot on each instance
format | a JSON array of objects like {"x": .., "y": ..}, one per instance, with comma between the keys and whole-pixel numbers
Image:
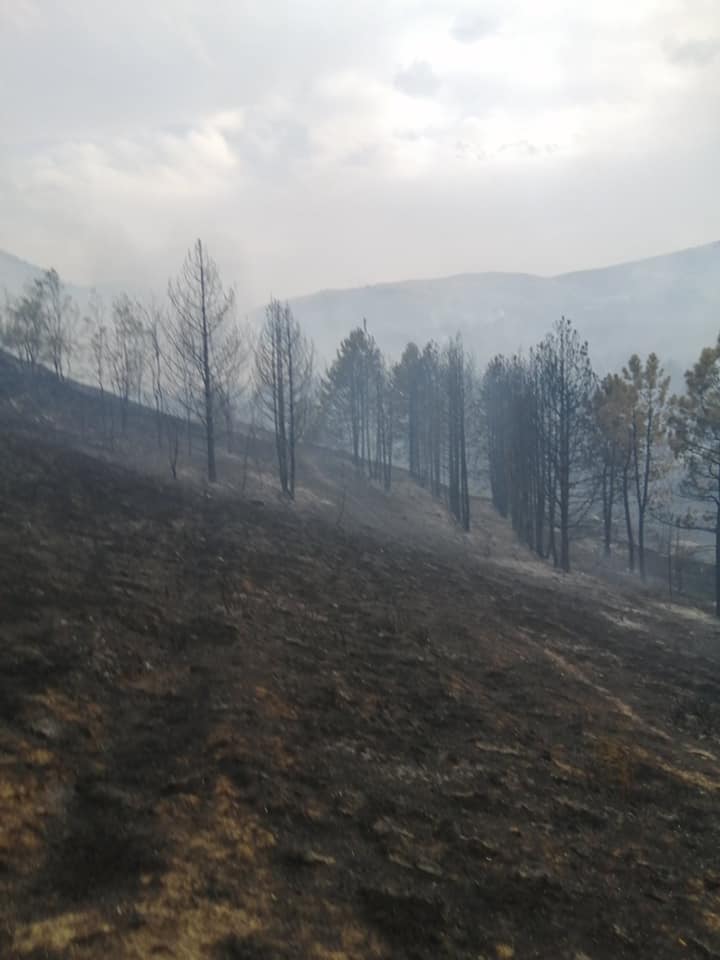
[
  {"x": 291, "y": 408},
  {"x": 464, "y": 489},
  {"x": 717, "y": 556},
  {"x": 207, "y": 377},
  {"x": 281, "y": 431},
  {"x": 628, "y": 520},
  {"x": 609, "y": 480},
  {"x": 564, "y": 482},
  {"x": 641, "y": 542},
  {"x": 564, "y": 530}
]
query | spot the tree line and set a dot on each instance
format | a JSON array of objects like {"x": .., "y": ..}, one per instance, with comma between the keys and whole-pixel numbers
[
  {"x": 563, "y": 443},
  {"x": 563, "y": 453},
  {"x": 415, "y": 409}
]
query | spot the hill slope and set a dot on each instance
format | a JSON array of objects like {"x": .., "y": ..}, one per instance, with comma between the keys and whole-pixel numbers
[{"x": 235, "y": 728}]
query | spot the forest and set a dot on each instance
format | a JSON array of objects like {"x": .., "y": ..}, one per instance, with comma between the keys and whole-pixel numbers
[{"x": 563, "y": 452}]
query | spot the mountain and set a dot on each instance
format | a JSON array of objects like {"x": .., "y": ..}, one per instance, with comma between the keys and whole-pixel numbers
[
  {"x": 15, "y": 273},
  {"x": 669, "y": 303}
]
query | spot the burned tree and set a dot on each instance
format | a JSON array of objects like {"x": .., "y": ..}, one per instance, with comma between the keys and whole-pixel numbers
[
  {"x": 98, "y": 337},
  {"x": 407, "y": 376},
  {"x": 195, "y": 331},
  {"x": 612, "y": 406},
  {"x": 154, "y": 323},
  {"x": 569, "y": 384},
  {"x": 517, "y": 431},
  {"x": 357, "y": 404},
  {"x": 283, "y": 382},
  {"x": 232, "y": 359},
  {"x": 419, "y": 387},
  {"x": 458, "y": 491},
  {"x": 60, "y": 321},
  {"x": 648, "y": 427},
  {"x": 25, "y": 329},
  {"x": 695, "y": 439},
  {"x": 384, "y": 423},
  {"x": 40, "y": 325},
  {"x": 540, "y": 432},
  {"x": 126, "y": 353}
]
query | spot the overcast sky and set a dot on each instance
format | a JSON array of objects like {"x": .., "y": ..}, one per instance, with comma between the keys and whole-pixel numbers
[{"x": 327, "y": 143}]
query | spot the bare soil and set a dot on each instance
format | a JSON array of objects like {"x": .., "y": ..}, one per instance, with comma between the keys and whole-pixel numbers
[{"x": 238, "y": 729}]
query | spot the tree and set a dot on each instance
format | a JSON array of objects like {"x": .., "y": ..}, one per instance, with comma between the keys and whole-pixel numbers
[
  {"x": 540, "y": 432},
  {"x": 384, "y": 423},
  {"x": 154, "y": 324},
  {"x": 407, "y": 377},
  {"x": 498, "y": 425},
  {"x": 458, "y": 490},
  {"x": 99, "y": 349},
  {"x": 283, "y": 382},
  {"x": 648, "y": 427},
  {"x": 201, "y": 309},
  {"x": 695, "y": 439},
  {"x": 230, "y": 365},
  {"x": 570, "y": 387},
  {"x": 612, "y": 407},
  {"x": 126, "y": 353},
  {"x": 60, "y": 320},
  {"x": 354, "y": 402},
  {"x": 25, "y": 332},
  {"x": 419, "y": 393},
  {"x": 519, "y": 441}
]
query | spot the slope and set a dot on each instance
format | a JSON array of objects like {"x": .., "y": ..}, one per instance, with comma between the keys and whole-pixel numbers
[{"x": 232, "y": 728}]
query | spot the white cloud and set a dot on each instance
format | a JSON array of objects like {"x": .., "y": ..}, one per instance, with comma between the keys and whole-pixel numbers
[
  {"x": 417, "y": 80},
  {"x": 20, "y": 15},
  {"x": 320, "y": 144},
  {"x": 694, "y": 53},
  {"x": 471, "y": 26}
]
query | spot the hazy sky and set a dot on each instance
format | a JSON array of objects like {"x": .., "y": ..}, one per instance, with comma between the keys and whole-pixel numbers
[{"x": 317, "y": 143}]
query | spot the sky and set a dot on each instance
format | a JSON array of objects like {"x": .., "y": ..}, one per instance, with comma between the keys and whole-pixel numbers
[{"x": 334, "y": 143}]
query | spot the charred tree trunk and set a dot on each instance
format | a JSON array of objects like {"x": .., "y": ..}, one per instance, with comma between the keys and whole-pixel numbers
[
  {"x": 628, "y": 519},
  {"x": 207, "y": 375}
]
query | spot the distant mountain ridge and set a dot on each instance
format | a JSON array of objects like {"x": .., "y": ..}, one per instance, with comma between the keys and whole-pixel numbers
[
  {"x": 668, "y": 303},
  {"x": 15, "y": 273}
]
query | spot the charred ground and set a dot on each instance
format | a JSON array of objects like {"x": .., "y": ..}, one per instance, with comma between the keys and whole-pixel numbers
[{"x": 231, "y": 728}]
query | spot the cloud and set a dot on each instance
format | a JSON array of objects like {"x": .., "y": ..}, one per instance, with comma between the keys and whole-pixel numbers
[
  {"x": 20, "y": 14},
  {"x": 314, "y": 144},
  {"x": 271, "y": 142},
  {"x": 417, "y": 80},
  {"x": 469, "y": 28},
  {"x": 521, "y": 148},
  {"x": 365, "y": 156},
  {"x": 694, "y": 53}
]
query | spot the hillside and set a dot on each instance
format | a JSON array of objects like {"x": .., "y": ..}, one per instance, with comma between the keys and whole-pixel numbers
[
  {"x": 638, "y": 306},
  {"x": 232, "y": 728}
]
